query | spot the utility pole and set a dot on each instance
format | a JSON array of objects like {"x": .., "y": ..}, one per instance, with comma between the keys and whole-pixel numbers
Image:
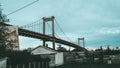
[
  {"x": 82, "y": 40},
  {"x": 46, "y": 19}
]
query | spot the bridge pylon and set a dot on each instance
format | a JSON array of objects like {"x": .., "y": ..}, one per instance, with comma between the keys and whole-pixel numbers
[
  {"x": 83, "y": 39},
  {"x": 46, "y": 19}
]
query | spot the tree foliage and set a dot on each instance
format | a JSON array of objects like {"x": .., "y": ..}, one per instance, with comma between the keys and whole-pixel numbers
[
  {"x": 5, "y": 42},
  {"x": 61, "y": 49},
  {"x": 3, "y": 37}
]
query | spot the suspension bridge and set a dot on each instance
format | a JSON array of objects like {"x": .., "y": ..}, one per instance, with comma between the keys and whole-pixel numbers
[{"x": 37, "y": 30}]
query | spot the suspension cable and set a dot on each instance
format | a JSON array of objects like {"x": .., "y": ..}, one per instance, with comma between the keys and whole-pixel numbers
[
  {"x": 29, "y": 25},
  {"x": 62, "y": 31},
  {"x": 51, "y": 28}
]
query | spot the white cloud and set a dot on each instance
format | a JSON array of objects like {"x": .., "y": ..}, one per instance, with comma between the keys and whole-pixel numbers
[{"x": 110, "y": 30}]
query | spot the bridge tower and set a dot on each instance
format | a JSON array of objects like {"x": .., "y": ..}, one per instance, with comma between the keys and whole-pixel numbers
[
  {"x": 46, "y": 19},
  {"x": 82, "y": 40}
]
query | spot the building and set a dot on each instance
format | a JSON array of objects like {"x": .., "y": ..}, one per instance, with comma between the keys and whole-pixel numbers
[
  {"x": 13, "y": 37},
  {"x": 69, "y": 57},
  {"x": 46, "y": 52},
  {"x": 78, "y": 56}
]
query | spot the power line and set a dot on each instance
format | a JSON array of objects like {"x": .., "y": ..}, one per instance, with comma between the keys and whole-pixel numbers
[
  {"x": 62, "y": 30},
  {"x": 22, "y": 7}
]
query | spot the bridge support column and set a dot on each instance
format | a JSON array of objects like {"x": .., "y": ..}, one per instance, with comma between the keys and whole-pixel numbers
[
  {"x": 43, "y": 31},
  {"x": 53, "y": 32}
]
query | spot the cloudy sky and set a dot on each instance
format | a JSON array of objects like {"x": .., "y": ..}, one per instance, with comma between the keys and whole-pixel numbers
[{"x": 98, "y": 21}]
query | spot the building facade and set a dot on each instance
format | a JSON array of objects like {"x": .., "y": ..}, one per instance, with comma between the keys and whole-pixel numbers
[
  {"x": 13, "y": 37},
  {"x": 46, "y": 52}
]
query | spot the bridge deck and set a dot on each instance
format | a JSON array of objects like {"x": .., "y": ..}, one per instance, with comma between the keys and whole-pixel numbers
[{"x": 28, "y": 33}]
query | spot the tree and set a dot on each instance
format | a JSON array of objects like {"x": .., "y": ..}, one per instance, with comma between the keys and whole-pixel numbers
[
  {"x": 5, "y": 43},
  {"x": 61, "y": 49},
  {"x": 108, "y": 48},
  {"x": 117, "y": 48},
  {"x": 3, "y": 37},
  {"x": 3, "y": 17},
  {"x": 99, "y": 49}
]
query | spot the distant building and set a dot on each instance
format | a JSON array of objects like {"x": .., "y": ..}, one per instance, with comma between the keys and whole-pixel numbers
[
  {"x": 55, "y": 56},
  {"x": 78, "y": 56},
  {"x": 115, "y": 59},
  {"x": 69, "y": 56}
]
